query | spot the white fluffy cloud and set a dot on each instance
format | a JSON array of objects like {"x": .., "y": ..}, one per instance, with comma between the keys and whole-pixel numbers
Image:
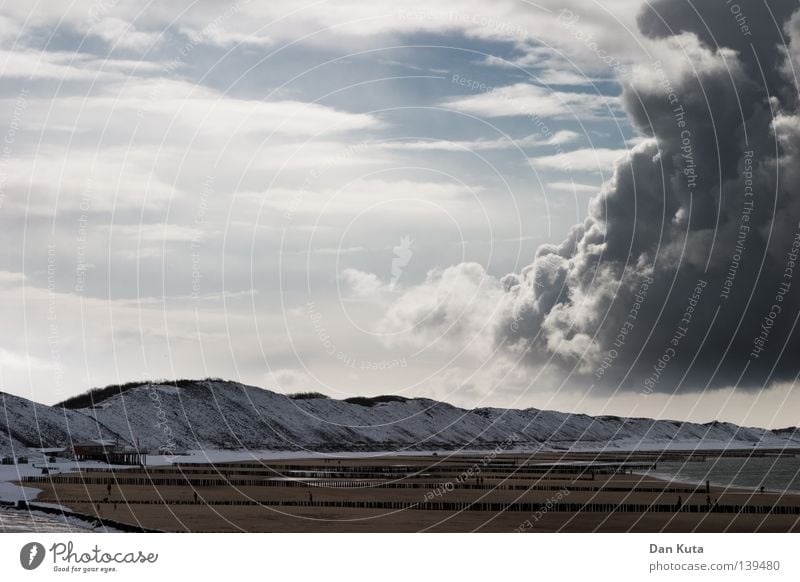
[
  {"x": 121, "y": 33},
  {"x": 526, "y": 100},
  {"x": 572, "y": 187},
  {"x": 54, "y": 180},
  {"x": 582, "y": 160},
  {"x": 502, "y": 143},
  {"x": 455, "y": 309}
]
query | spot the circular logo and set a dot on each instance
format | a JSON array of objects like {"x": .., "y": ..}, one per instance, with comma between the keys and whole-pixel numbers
[{"x": 31, "y": 555}]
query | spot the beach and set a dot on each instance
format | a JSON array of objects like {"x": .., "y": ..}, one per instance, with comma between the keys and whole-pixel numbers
[{"x": 482, "y": 492}]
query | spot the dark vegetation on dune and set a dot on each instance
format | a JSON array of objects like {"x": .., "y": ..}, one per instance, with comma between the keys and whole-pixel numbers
[
  {"x": 95, "y": 396},
  {"x": 369, "y": 402},
  {"x": 307, "y": 396}
]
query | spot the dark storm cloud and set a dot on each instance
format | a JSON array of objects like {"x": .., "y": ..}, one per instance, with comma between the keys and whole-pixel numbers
[
  {"x": 684, "y": 275},
  {"x": 753, "y": 28}
]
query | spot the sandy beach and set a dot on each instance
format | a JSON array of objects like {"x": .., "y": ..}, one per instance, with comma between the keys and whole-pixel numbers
[{"x": 574, "y": 492}]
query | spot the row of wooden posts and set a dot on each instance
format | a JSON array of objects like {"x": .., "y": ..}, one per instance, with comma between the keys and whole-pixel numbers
[
  {"x": 344, "y": 470},
  {"x": 495, "y": 507},
  {"x": 345, "y": 484}
]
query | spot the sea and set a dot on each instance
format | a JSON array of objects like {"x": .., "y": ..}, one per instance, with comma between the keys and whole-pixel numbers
[{"x": 774, "y": 473}]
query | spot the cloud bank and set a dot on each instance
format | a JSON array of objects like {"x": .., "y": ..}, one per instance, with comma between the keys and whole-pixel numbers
[{"x": 685, "y": 275}]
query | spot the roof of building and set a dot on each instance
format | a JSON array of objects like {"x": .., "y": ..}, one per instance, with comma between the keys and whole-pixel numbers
[{"x": 92, "y": 444}]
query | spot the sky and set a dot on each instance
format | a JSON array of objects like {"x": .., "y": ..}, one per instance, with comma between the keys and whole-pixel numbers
[{"x": 507, "y": 203}]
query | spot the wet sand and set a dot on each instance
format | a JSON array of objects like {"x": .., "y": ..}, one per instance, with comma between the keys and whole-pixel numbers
[{"x": 498, "y": 493}]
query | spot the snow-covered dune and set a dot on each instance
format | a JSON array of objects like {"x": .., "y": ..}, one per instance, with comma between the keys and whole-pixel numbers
[
  {"x": 217, "y": 414},
  {"x": 25, "y": 424}
]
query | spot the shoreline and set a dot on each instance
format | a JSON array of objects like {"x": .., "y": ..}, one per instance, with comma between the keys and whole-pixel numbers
[
  {"x": 577, "y": 491},
  {"x": 738, "y": 488},
  {"x": 670, "y": 477}
]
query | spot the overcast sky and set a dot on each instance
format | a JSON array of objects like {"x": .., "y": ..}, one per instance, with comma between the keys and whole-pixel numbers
[{"x": 361, "y": 198}]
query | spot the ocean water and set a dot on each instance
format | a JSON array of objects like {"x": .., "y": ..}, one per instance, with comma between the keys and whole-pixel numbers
[{"x": 773, "y": 473}]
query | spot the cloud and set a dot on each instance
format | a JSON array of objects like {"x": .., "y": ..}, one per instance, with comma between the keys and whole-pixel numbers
[
  {"x": 562, "y": 137},
  {"x": 149, "y": 240},
  {"x": 572, "y": 187},
  {"x": 583, "y": 160},
  {"x": 9, "y": 279},
  {"x": 21, "y": 361},
  {"x": 682, "y": 276},
  {"x": 53, "y": 180},
  {"x": 362, "y": 285},
  {"x": 503, "y": 143},
  {"x": 396, "y": 196},
  {"x": 155, "y": 233},
  {"x": 225, "y": 37},
  {"x": 200, "y": 108},
  {"x": 338, "y": 251},
  {"x": 455, "y": 309},
  {"x": 668, "y": 285},
  {"x": 526, "y": 100},
  {"x": 549, "y": 67},
  {"x": 561, "y": 77},
  {"x": 139, "y": 143},
  {"x": 121, "y": 33},
  {"x": 167, "y": 109},
  {"x": 24, "y": 63},
  {"x": 347, "y": 22}
]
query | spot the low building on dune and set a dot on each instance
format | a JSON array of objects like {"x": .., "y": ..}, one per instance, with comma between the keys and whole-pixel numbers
[{"x": 112, "y": 453}]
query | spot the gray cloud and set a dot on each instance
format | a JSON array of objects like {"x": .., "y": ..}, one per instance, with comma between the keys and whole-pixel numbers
[{"x": 675, "y": 280}]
